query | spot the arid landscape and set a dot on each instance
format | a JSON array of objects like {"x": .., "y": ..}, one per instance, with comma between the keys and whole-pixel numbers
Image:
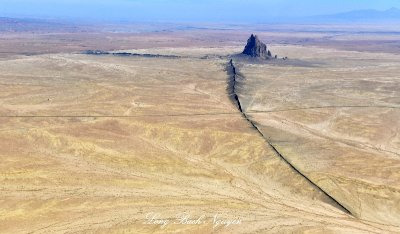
[{"x": 149, "y": 137}]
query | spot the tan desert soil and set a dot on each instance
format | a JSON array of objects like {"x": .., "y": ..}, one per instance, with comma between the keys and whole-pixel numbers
[
  {"x": 337, "y": 121},
  {"x": 96, "y": 144}
]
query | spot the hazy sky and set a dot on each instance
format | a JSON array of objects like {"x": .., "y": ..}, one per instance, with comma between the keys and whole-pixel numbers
[{"x": 184, "y": 10}]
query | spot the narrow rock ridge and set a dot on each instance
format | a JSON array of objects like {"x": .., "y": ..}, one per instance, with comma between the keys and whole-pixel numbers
[
  {"x": 126, "y": 54},
  {"x": 232, "y": 86}
]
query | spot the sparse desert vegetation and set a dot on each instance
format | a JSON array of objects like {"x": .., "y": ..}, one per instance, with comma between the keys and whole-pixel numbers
[{"x": 105, "y": 143}]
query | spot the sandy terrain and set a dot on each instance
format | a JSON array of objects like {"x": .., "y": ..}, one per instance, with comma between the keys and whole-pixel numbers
[
  {"x": 103, "y": 144},
  {"x": 337, "y": 120}
]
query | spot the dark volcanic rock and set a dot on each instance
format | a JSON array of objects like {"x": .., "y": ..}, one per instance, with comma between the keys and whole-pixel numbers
[
  {"x": 95, "y": 52},
  {"x": 255, "y": 48}
]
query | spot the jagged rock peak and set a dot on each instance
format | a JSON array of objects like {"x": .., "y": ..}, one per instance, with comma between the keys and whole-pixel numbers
[{"x": 255, "y": 48}]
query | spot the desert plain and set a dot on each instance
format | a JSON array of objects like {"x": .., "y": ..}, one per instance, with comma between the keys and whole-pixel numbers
[{"x": 155, "y": 144}]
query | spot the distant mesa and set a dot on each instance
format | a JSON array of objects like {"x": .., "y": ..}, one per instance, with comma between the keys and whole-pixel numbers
[
  {"x": 256, "y": 49},
  {"x": 127, "y": 54},
  {"x": 95, "y": 52}
]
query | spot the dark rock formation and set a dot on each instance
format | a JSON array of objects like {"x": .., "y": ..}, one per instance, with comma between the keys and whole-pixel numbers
[
  {"x": 126, "y": 54},
  {"x": 96, "y": 52},
  {"x": 255, "y": 48}
]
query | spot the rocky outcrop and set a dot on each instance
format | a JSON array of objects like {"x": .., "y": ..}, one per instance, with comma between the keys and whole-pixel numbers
[
  {"x": 126, "y": 54},
  {"x": 256, "y": 49},
  {"x": 95, "y": 52}
]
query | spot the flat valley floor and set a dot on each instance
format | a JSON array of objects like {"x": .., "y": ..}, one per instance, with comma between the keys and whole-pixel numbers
[{"x": 125, "y": 144}]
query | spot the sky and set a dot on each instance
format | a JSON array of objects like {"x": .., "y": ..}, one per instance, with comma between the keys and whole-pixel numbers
[{"x": 184, "y": 10}]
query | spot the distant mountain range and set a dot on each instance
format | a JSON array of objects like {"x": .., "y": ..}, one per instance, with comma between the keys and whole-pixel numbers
[
  {"x": 367, "y": 16},
  {"x": 14, "y": 21},
  {"x": 25, "y": 24},
  {"x": 50, "y": 25}
]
